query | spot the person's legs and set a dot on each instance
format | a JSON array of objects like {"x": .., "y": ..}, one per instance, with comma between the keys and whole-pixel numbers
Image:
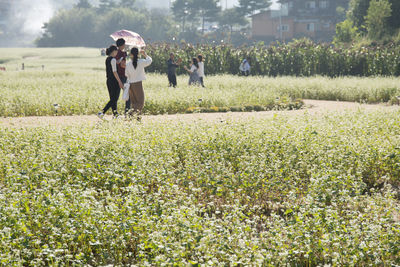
[
  {"x": 174, "y": 82},
  {"x": 131, "y": 98},
  {"x": 127, "y": 105},
  {"x": 128, "y": 102},
  {"x": 111, "y": 92},
  {"x": 138, "y": 93},
  {"x": 202, "y": 81},
  {"x": 170, "y": 80},
  {"x": 139, "y": 97},
  {"x": 115, "y": 100}
]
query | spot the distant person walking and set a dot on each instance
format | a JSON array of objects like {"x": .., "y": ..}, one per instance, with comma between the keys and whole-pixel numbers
[
  {"x": 201, "y": 70},
  {"x": 121, "y": 65},
  {"x": 194, "y": 78},
  {"x": 136, "y": 75},
  {"x": 171, "y": 71},
  {"x": 114, "y": 83},
  {"x": 245, "y": 67}
]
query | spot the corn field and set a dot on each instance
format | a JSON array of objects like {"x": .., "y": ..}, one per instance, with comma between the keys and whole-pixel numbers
[{"x": 300, "y": 58}]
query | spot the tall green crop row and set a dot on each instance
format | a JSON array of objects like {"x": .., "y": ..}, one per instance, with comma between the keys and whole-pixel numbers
[{"x": 300, "y": 58}]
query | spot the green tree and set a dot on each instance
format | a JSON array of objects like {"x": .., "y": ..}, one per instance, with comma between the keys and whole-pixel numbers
[
  {"x": 249, "y": 7},
  {"x": 358, "y": 10},
  {"x": 345, "y": 32},
  {"x": 377, "y": 18},
  {"x": 230, "y": 18},
  {"x": 70, "y": 28},
  {"x": 206, "y": 10},
  {"x": 181, "y": 10},
  {"x": 83, "y": 4},
  {"x": 160, "y": 27},
  {"x": 394, "y": 20},
  {"x": 117, "y": 19}
]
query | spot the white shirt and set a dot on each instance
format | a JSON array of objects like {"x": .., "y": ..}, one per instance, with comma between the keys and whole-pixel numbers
[
  {"x": 138, "y": 74},
  {"x": 245, "y": 66},
  {"x": 193, "y": 68},
  {"x": 114, "y": 65},
  {"x": 201, "y": 70}
]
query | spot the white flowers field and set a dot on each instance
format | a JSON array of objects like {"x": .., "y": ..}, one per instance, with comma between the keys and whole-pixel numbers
[{"x": 293, "y": 190}]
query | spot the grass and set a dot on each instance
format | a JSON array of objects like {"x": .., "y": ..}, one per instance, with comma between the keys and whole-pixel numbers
[
  {"x": 286, "y": 190},
  {"x": 74, "y": 78},
  {"x": 291, "y": 189}
]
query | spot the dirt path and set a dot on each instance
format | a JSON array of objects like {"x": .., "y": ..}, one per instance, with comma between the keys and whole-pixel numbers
[{"x": 313, "y": 107}]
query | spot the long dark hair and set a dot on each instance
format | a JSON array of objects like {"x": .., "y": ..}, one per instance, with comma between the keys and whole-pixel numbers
[
  {"x": 111, "y": 49},
  {"x": 135, "y": 54},
  {"x": 200, "y": 57},
  {"x": 196, "y": 62}
]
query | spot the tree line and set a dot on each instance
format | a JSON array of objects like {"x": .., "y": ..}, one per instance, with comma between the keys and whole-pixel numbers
[
  {"x": 188, "y": 20},
  {"x": 370, "y": 21}
]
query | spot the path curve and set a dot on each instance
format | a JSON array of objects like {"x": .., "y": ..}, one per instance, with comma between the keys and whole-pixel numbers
[{"x": 312, "y": 107}]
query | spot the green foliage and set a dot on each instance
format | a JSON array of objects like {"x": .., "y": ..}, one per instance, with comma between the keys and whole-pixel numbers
[
  {"x": 86, "y": 27},
  {"x": 345, "y": 32},
  {"x": 394, "y": 20},
  {"x": 70, "y": 27},
  {"x": 299, "y": 58},
  {"x": 206, "y": 10},
  {"x": 377, "y": 18},
  {"x": 231, "y": 17},
  {"x": 75, "y": 79},
  {"x": 289, "y": 190},
  {"x": 182, "y": 10},
  {"x": 120, "y": 18},
  {"x": 358, "y": 10},
  {"x": 249, "y": 7}
]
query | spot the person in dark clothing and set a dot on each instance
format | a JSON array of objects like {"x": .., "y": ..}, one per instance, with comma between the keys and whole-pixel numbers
[
  {"x": 121, "y": 64},
  {"x": 172, "y": 65},
  {"x": 114, "y": 83}
]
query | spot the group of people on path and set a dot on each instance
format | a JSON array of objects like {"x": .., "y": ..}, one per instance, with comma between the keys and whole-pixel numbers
[
  {"x": 129, "y": 75},
  {"x": 120, "y": 72}
]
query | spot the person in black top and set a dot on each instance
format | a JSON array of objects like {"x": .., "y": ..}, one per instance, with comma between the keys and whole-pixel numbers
[
  {"x": 121, "y": 65},
  {"x": 172, "y": 65},
  {"x": 114, "y": 83}
]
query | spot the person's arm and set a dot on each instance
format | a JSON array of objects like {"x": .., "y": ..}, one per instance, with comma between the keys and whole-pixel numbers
[
  {"x": 114, "y": 69},
  {"x": 177, "y": 64},
  {"x": 147, "y": 62},
  {"x": 188, "y": 70},
  {"x": 127, "y": 69}
]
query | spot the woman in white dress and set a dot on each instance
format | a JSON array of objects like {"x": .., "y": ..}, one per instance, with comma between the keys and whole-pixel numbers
[
  {"x": 136, "y": 75},
  {"x": 194, "y": 78}
]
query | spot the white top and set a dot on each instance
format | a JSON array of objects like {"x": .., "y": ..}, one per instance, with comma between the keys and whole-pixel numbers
[
  {"x": 193, "y": 68},
  {"x": 201, "y": 70},
  {"x": 138, "y": 74},
  {"x": 114, "y": 65},
  {"x": 245, "y": 66}
]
